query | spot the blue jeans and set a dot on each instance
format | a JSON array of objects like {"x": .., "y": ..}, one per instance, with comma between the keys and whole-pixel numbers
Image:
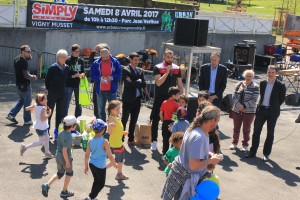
[
  {"x": 69, "y": 92},
  {"x": 102, "y": 98},
  {"x": 24, "y": 101}
]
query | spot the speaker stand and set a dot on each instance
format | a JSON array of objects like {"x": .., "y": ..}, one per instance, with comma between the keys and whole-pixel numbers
[{"x": 191, "y": 50}]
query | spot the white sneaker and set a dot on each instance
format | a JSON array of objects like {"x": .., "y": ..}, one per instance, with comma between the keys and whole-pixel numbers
[
  {"x": 48, "y": 155},
  {"x": 245, "y": 148},
  {"x": 28, "y": 123},
  {"x": 153, "y": 146},
  {"x": 233, "y": 147}
]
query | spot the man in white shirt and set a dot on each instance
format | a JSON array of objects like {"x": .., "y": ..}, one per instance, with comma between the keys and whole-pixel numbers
[{"x": 272, "y": 95}]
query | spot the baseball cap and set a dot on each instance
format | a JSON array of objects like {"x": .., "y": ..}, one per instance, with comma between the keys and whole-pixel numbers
[
  {"x": 70, "y": 120},
  {"x": 181, "y": 113},
  {"x": 98, "y": 125}
]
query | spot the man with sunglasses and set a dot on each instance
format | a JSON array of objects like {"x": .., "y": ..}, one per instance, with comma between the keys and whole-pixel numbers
[{"x": 23, "y": 78}]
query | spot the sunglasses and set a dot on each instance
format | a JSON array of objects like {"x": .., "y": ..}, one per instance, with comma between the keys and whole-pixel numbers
[{"x": 28, "y": 51}]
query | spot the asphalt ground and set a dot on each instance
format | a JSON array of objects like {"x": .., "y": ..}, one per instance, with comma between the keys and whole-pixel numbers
[{"x": 241, "y": 179}]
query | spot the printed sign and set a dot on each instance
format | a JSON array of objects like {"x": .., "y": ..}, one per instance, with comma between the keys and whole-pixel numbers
[{"x": 92, "y": 17}]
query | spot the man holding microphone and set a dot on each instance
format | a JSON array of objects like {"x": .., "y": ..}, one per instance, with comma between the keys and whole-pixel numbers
[{"x": 166, "y": 74}]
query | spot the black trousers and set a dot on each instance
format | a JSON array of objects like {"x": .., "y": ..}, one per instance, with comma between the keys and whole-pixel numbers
[
  {"x": 132, "y": 109},
  {"x": 99, "y": 180},
  {"x": 166, "y": 134},
  {"x": 59, "y": 101},
  {"x": 216, "y": 102},
  {"x": 154, "y": 117},
  {"x": 262, "y": 116},
  {"x": 95, "y": 102}
]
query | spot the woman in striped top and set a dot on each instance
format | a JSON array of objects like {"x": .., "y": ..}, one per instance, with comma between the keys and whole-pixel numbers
[{"x": 244, "y": 107}]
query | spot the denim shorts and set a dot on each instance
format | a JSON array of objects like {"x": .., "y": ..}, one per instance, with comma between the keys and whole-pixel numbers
[{"x": 41, "y": 132}]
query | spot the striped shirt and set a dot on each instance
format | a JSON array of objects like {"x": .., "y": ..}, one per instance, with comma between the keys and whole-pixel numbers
[{"x": 247, "y": 96}]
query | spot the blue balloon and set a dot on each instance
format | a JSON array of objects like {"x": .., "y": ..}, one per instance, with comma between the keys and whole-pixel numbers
[
  {"x": 208, "y": 190},
  {"x": 195, "y": 198}
]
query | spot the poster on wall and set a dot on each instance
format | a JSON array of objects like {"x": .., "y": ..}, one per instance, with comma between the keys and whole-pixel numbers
[{"x": 93, "y": 17}]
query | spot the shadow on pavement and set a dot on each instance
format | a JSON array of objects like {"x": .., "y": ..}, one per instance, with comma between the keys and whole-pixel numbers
[
  {"x": 223, "y": 136},
  {"x": 116, "y": 192},
  {"x": 65, "y": 198},
  {"x": 135, "y": 159},
  {"x": 227, "y": 163},
  {"x": 20, "y": 133},
  {"x": 36, "y": 171},
  {"x": 273, "y": 168},
  {"x": 52, "y": 147},
  {"x": 157, "y": 157},
  {"x": 12, "y": 125}
]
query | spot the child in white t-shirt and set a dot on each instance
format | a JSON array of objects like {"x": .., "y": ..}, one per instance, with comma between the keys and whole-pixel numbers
[{"x": 42, "y": 112}]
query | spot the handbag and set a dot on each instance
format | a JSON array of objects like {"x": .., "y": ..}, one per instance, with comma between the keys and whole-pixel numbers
[
  {"x": 230, "y": 100},
  {"x": 84, "y": 95}
]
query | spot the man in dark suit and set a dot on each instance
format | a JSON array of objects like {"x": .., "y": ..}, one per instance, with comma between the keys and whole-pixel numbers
[
  {"x": 134, "y": 81},
  {"x": 272, "y": 95},
  {"x": 213, "y": 78}
]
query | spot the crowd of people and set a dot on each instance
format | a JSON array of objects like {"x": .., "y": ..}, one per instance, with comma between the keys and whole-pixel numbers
[{"x": 190, "y": 151}]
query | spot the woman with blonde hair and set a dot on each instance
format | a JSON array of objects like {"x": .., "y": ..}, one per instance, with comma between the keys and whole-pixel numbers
[
  {"x": 244, "y": 107},
  {"x": 55, "y": 83}
]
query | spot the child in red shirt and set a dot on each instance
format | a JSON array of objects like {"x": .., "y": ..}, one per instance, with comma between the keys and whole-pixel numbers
[{"x": 168, "y": 107}]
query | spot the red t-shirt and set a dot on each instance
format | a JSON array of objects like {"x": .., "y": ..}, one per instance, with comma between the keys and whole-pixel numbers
[
  {"x": 106, "y": 71},
  {"x": 168, "y": 107}
]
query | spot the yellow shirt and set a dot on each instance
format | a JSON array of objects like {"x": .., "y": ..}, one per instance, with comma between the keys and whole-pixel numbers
[{"x": 115, "y": 138}]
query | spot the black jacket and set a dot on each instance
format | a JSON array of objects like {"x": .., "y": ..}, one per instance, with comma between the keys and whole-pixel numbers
[
  {"x": 129, "y": 90},
  {"x": 56, "y": 79},
  {"x": 75, "y": 65},
  {"x": 277, "y": 95},
  {"x": 221, "y": 79}
]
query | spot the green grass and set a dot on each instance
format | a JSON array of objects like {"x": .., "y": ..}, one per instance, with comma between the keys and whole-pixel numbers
[{"x": 261, "y": 7}]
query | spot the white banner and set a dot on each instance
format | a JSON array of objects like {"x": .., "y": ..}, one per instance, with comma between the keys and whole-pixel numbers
[{"x": 7, "y": 13}]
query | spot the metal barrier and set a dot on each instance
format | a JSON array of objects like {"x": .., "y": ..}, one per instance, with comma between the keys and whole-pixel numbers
[
  {"x": 40, "y": 63},
  {"x": 7, "y": 56},
  {"x": 149, "y": 93},
  {"x": 47, "y": 59}
]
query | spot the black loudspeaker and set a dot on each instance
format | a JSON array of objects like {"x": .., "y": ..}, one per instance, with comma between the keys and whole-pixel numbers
[
  {"x": 190, "y": 32},
  {"x": 264, "y": 61},
  {"x": 192, "y": 106},
  {"x": 241, "y": 54},
  {"x": 292, "y": 100},
  {"x": 252, "y": 51}
]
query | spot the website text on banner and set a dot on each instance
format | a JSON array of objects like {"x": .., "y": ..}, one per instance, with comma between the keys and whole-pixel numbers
[{"x": 93, "y": 17}]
